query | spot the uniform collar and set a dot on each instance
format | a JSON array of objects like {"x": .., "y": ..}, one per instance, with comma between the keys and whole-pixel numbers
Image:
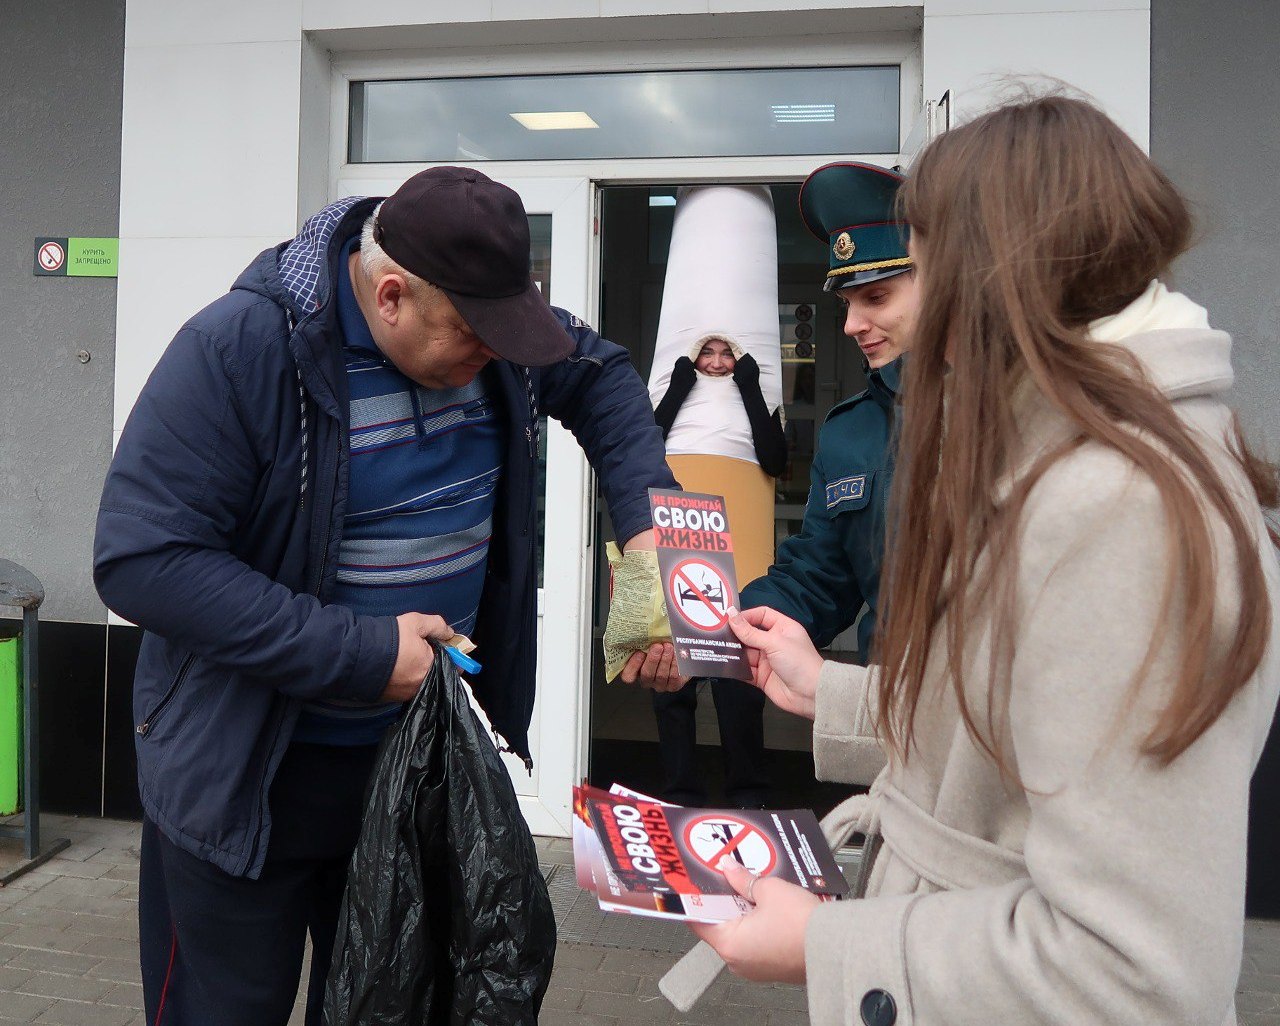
[{"x": 888, "y": 377}]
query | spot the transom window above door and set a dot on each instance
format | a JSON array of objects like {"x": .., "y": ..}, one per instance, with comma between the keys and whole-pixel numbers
[{"x": 732, "y": 113}]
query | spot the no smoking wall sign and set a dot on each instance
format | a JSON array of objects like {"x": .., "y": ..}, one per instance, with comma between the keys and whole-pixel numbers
[
  {"x": 68, "y": 257},
  {"x": 51, "y": 256},
  {"x": 695, "y": 556}
]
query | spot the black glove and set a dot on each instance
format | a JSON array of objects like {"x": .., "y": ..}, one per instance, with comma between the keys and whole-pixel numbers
[
  {"x": 766, "y": 430},
  {"x": 746, "y": 371},
  {"x": 683, "y": 377}
]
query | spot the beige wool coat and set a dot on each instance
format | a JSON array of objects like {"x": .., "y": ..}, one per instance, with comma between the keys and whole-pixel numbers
[{"x": 1105, "y": 888}]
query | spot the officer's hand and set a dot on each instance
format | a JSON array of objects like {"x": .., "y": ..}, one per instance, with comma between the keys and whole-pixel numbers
[
  {"x": 784, "y": 663},
  {"x": 746, "y": 371},
  {"x": 414, "y": 658},
  {"x": 654, "y": 669}
]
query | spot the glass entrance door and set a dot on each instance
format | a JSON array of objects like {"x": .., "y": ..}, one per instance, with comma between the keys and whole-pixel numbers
[{"x": 820, "y": 367}]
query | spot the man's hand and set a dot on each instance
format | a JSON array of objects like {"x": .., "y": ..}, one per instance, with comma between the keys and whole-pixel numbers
[
  {"x": 654, "y": 669},
  {"x": 766, "y": 944},
  {"x": 642, "y": 541},
  {"x": 784, "y": 663},
  {"x": 657, "y": 667},
  {"x": 414, "y": 658}
]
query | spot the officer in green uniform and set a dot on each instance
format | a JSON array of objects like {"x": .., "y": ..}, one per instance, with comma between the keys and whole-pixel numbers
[{"x": 823, "y": 575}]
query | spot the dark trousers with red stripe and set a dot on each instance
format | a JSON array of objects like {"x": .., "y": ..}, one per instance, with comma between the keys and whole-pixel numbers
[{"x": 219, "y": 950}]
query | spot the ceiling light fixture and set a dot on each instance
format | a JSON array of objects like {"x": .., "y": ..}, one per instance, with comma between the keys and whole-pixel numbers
[
  {"x": 555, "y": 120},
  {"x": 803, "y": 113}
]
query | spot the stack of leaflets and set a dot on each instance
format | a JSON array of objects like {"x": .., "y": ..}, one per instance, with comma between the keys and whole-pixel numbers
[{"x": 644, "y": 857}]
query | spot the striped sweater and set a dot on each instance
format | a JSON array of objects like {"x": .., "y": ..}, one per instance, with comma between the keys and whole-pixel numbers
[{"x": 425, "y": 464}]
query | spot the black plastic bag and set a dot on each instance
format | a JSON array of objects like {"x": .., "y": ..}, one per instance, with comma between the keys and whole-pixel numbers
[{"x": 446, "y": 918}]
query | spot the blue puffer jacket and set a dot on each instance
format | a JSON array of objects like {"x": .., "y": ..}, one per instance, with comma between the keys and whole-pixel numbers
[{"x": 219, "y": 526}]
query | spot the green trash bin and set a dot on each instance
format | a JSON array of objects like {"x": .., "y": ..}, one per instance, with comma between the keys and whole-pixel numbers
[
  {"x": 20, "y": 721},
  {"x": 10, "y": 720}
]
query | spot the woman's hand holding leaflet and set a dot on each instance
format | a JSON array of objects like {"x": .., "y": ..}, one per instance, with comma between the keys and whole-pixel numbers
[
  {"x": 767, "y": 944},
  {"x": 784, "y": 663}
]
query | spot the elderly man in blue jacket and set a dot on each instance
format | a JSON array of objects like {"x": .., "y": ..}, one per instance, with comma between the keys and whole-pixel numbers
[{"x": 330, "y": 466}]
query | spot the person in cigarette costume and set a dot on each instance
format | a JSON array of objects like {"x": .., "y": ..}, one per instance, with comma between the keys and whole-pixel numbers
[{"x": 717, "y": 391}]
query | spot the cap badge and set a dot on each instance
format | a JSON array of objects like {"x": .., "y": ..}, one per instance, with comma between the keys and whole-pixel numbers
[{"x": 843, "y": 247}]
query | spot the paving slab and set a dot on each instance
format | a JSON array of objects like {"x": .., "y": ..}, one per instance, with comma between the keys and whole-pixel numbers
[{"x": 24, "y": 1007}]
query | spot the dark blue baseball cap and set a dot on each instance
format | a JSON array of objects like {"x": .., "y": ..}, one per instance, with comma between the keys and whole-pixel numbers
[{"x": 469, "y": 236}]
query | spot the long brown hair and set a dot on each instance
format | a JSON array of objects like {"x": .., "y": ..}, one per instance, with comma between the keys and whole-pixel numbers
[{"x": 1030, "y": 222}]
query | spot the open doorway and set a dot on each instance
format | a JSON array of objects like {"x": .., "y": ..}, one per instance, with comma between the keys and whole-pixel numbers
[{"x": 820, "y": 367}]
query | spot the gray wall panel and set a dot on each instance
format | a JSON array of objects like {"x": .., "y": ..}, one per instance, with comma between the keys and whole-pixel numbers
[
  {"x": 61, "y": 81},
  {"x": 1215, "y": 127}
]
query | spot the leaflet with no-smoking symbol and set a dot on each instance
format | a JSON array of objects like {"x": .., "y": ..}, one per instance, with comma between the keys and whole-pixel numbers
[
  {"x": 656, "y": 848},
  {"x": 695, "y": 558}
]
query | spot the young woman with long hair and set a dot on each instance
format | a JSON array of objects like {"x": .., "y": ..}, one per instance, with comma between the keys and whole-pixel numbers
[{"x": 1079, "y": 661}]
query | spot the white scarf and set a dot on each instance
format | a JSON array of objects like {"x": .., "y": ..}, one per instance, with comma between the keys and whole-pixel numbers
[{"x": 1156, "y": 309}]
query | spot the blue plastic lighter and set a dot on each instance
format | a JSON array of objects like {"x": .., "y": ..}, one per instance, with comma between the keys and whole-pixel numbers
[{"x": 462, "y": 662}]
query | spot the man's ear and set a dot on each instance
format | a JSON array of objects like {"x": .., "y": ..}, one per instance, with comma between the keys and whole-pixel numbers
[{"x": 389, "y": 295}]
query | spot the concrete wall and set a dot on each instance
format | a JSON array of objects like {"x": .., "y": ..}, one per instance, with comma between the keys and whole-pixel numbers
[
  {"x": 974, "y": 47},
  {"x": 210, "y": 160},
  {"x": 60, "y": 80},
  {"x": 1215, "y": 100}
]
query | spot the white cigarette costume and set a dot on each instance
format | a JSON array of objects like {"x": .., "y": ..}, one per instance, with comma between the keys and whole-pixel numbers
[{"x": 722, "y": 282}]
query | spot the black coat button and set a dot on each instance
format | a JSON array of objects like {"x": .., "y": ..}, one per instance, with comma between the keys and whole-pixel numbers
[{"x": 878, "y": 1008}]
